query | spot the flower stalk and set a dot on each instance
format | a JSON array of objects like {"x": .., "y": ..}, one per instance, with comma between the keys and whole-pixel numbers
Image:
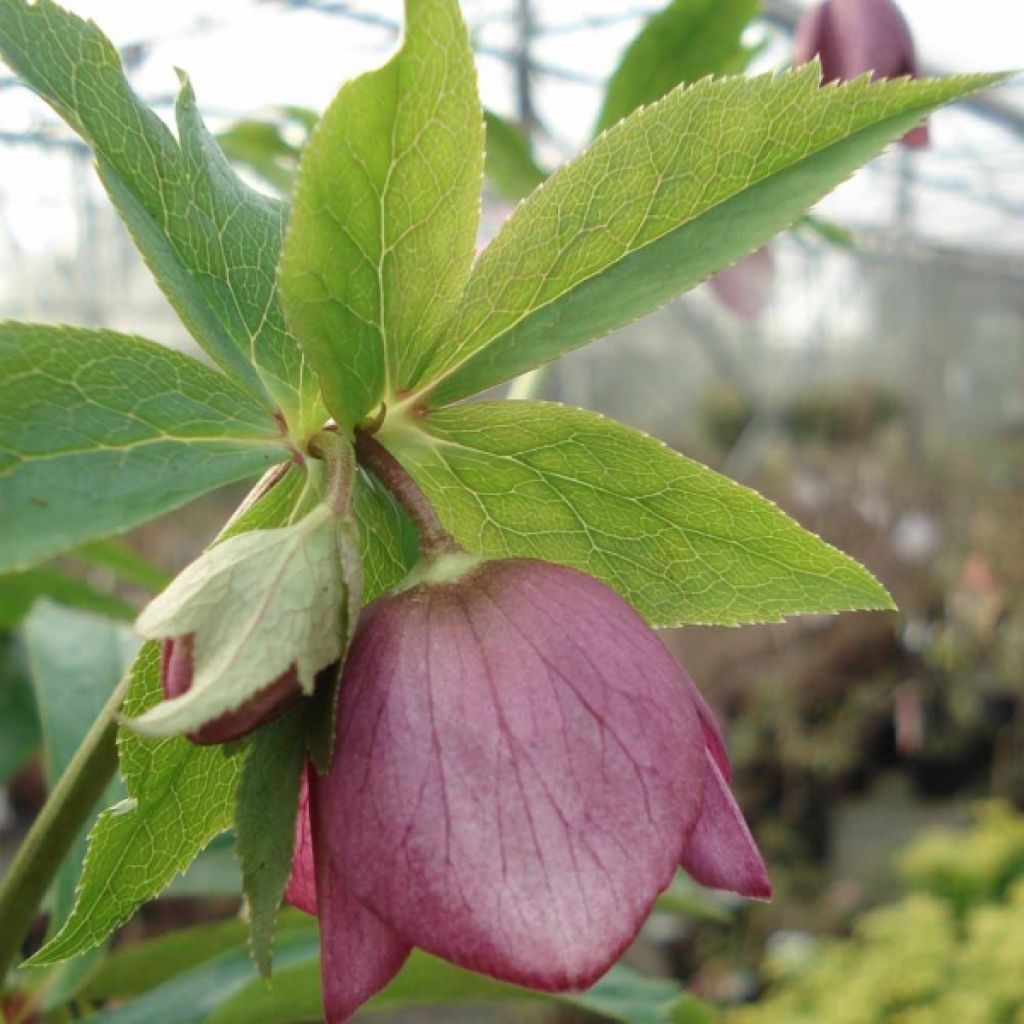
[
  {"x": 59, "y": 822},
  {"x": 435, "y": 540}
]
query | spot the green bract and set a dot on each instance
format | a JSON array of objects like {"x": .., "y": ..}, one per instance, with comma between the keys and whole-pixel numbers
[{"x": 256, "y": 604}]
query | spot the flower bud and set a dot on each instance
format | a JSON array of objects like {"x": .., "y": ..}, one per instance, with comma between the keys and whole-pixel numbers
[
  {"x": 262, "y": 707},
  {"x": 854, "y": 37}
]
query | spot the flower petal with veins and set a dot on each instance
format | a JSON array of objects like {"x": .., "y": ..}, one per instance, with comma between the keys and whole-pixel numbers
[
  {"x": 359, "y": 953},
  {"x": 519, "y": 759},
  {"x": 721, "y": 853}
]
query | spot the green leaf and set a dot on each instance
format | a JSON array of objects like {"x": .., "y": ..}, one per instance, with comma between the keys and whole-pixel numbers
[
  {"x": 211, "y": 241},
  {"x": 670, "y": 195},
  {"x": 76, "y": 661},
  {"x": 261, "y": 148},
  {"x": 681, "y": 543},
  {"x": 100, "y": 432},
  {"x": 127, "y": 564},
  {"x": 255, "y": 604},
  {"x": 389, "y": 544},
  {"x": 509, "y": 164},
  {"x": 20, "y": 590},
  {"x": 222, "y": 988},
  {"x": 134, "y": 969},
  {"x": 17, "y": 706},
  {"x": 385, "y": 212},
  {"x": 265, "y": 809},
  {"x": 180, "y": 797},
  {"x": 685, "y": 42}
]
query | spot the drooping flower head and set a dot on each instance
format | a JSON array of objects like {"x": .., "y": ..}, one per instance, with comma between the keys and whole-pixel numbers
[
  {"x": 520, "y": 768},
  {"x": 855, "y": 37}
]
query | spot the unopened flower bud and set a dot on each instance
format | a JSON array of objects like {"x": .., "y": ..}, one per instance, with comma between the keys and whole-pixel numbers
[{"x": 262, "y": 707}]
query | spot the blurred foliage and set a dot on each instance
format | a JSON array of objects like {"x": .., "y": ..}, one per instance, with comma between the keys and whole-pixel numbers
[{"x": 951, "y": 951}]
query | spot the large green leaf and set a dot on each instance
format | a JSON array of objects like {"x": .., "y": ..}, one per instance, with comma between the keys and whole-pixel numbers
[
  {"x": 126, "y": 563},
  {"x": 679, "y": 542},
  {"x": 385, "y": 213},
  {"x": 19, "y": 720},
  {"x": 20, "y": 590},
  {"x": 211, "y": 241},
  {"x": 671, "y": 194},
  {"x": 180, "y": 796},
  {"x": 685, "y": 42},
  {"x": 510, "y": 166},
  {"x": 76, "y": 660},
  {"x": 204, "y": 975},
  {"x": 100, "y": 431}
]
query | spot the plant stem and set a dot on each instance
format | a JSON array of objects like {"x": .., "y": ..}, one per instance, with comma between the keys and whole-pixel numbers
[
  {"x": 59, "y": 822},
  {"x": 435, "y": 540},
  {"x": 339, "y": 470}
]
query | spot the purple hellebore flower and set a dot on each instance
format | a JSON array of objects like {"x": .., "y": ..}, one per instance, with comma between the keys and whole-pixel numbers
[
  {"x": 520, "y": 768},
  {"x": 853, "y": 37},
  {"x": 262, "y": 707},
  {"x": 746, "y": 286}
]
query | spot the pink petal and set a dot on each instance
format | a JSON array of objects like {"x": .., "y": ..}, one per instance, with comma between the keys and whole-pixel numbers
[
  {"x": 359, "y": 954},
  {"x": 301, "y": 889},
  {"x": 518, "y": 757},
  {"x": 854, "y": 37},
  {"x": 720, "y": 852},
  {"x": 713, "y": 738},
  {"x": 746, "y": 287}
]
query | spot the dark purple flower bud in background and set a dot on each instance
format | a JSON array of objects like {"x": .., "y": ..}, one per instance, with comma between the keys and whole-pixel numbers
[
  {"x": 854, "y": 37},
  {"x": 262, "y": 707},
  {"x": 521, "y": 766}
]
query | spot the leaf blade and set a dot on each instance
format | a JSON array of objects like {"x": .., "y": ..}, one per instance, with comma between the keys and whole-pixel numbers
[
  {"x": 653, "y": 208},
  {"x": 681, "y": 543},
  {"x": 265, "y": 808},
  {"x": 101, "y": 431},
  {"x": 388, "y": 184},
  {"x": 199, "y": 227}
]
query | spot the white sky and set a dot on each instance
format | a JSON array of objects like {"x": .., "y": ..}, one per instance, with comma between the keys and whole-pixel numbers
[{"x": 243, "y": 55}]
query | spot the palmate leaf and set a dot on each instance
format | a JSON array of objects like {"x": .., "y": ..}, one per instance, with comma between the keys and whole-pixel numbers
[
  {"x": 101, "y": 431},
  {"x": 675, "y": 192},
  {"x": 211, "y": 241},
  {"x": 385, "y": 212},
  {"x": 681, "y": 543}
]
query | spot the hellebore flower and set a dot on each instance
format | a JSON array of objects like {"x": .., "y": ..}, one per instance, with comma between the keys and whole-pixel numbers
[
  {"x": 746, "y": 286},
  {"x": 853, "y": 37},
  {"x": 520, "y": 768},
  {"x": 176, "y": 679}
]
